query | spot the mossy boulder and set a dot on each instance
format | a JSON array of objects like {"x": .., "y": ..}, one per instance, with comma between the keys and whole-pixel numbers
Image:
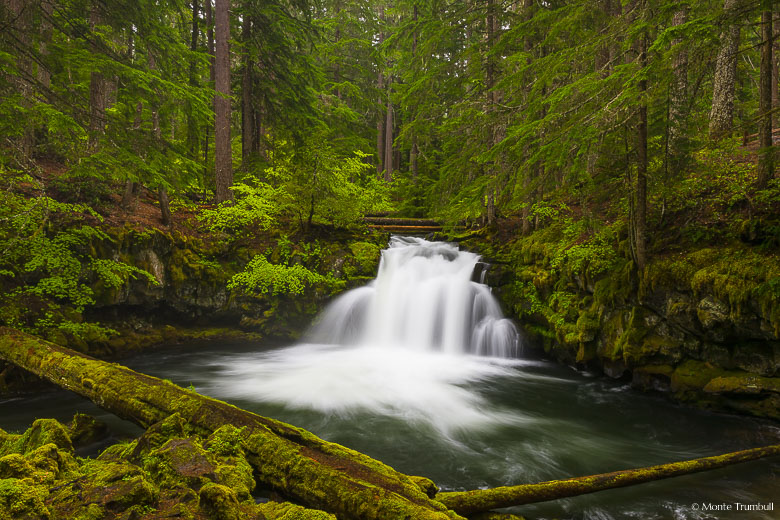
[
  {"x": 21, "y": 499},
  {"x": 219, "y": 502},
  {"x": 181, "y": 461},
  {"x": 42, "y": 432}
]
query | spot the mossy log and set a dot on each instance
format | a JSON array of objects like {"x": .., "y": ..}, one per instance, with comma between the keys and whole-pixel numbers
[
  {"x": 290, "y": 460},
  {"x": 406, "y": 229},
  {"x": 390, "y": 221},
  {"x": 479, "y": 500}
]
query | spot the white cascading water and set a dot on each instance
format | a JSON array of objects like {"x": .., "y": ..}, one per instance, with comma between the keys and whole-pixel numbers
[
  {"x": 423, "y": 298},
  {"x": 416, "y": 344}
]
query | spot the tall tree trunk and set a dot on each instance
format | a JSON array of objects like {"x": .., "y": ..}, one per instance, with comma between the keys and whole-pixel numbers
[
  {"x": 413, "y": 151},
  {"x": 389, "y": 137},
  {"x": 640, "y": 194},
  {"x": 222, "y": 153},
  {"x": 527, "y": 14},
  {"x": 192, "y": 127},
  {"x": 491, "y": 25},
  {"x": 97, "y": 91},
  {"x": 766, "y": 159},
  {"x": 678, "y": 94},
  {"x": 44, "y": 74},
  {"x": 381, "y": 115},
  {"x": 724, "y": 82},
  {"x": 247, "y": 116},
  {"x": 776, "y": 70},
  {"x": 130, "y": 195},
  {"x": 210, "y": 47}
]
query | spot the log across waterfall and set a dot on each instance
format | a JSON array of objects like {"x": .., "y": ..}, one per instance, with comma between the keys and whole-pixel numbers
[{"x": 423, "y": 298}]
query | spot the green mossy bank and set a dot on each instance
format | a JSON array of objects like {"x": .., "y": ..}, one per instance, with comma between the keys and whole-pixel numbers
[{"x": 703, "y": 326}]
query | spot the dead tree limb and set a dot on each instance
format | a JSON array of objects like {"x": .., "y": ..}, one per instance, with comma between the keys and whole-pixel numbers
[
  {"x": 479, "y": 500},
  {"x": 290, "y": 460}
]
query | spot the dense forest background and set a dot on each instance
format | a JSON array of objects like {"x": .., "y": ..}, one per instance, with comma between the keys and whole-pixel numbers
[{"x": 632, "y": 129}]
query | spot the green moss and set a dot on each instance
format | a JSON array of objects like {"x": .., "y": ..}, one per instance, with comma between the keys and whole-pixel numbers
[
  {"x": 219, "y": 502},
  {"x": 180, "y": 461},
  {"x": 42, "y": 432},
  {"x": 743, "y": 385},
  {"x": 15, "y": 466},
  {"x": 288, "y": 511},
  {"x": 21, "y": 499},
  {"x": 694, "y": 375},
  {"x": 91, "y": 512}
]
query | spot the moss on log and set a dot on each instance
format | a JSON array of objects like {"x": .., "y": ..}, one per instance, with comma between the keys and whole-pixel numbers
[
  {"x": 479, "y": 500},
  {"x": 290, "y": 460}
]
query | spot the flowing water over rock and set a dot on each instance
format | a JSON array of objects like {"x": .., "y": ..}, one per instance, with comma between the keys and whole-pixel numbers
[
  {"x": 407, "y": 345},
  {"x": 423, "y": 299}
]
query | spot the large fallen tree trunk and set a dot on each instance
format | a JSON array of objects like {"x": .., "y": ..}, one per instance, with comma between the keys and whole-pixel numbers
[
  {"x": 300, "y": 465},
  {"x": 290, "y": 460},
  {"x": 470, "y": 502}
]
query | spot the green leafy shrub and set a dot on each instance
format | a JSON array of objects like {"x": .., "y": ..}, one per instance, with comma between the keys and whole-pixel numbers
[{"x": 262, "y": 277}]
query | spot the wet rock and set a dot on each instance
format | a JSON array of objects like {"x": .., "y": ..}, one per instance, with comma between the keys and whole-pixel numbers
[
  {"x": 85, "y": 429},
  {"x": 42, "y": 432}
]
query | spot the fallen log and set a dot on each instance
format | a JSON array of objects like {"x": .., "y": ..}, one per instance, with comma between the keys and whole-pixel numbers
[
  {"x": 287, "y": 459},
  {"x": 480, "y": 500},
  {"x": 406, "y": 229},
  {"x": 394, "y": 221}
]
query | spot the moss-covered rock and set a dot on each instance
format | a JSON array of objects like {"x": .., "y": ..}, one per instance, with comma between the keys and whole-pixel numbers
[
  {"x": 219, "y": 502},
  {"x": 21, "y": 499}
]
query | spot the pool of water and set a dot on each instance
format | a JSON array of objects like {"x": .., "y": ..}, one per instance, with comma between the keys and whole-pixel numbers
[{"x": 470, "y": 422}]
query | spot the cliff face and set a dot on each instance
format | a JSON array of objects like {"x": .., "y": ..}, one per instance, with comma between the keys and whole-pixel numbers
[{"x": 702, "y": 326}]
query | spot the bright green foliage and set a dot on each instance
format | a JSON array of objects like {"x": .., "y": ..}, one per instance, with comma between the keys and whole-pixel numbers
[
  {"x": 262, "y": 277},
  {"x": 316, "y": 184},
  {"x": 255, "y": 209}
]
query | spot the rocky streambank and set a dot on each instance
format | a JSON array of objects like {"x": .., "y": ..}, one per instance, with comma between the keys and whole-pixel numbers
[{"x": 702, "y": 326}]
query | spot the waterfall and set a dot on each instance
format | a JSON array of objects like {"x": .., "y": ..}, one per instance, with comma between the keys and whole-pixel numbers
[{"x": 423, "y": 298}]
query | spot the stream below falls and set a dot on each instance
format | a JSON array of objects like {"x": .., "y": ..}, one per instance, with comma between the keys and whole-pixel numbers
[{"x": 420, "y": 370}]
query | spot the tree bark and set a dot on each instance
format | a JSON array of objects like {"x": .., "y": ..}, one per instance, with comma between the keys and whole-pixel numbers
[
  {"x": 388, "y": 155},
  {"x": 476, "y": 501},
  {"x": 381, "y": 115},
  {"x": 766, "y": 160},
  {"x": 97, "y": 91},
  {"x": 678, "y": 94},
  {"x": 222, "y": 152},
  {"x": 247, "y": 113},
  {"x": 640, "y": 193},
  {"x": 724, "y": 82},
  {"x": 210, "y": 48},
  {"x": 413, "y": 151},
  {"x": 192, "y": 126},
  {"x": 289, "y": 460}
]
